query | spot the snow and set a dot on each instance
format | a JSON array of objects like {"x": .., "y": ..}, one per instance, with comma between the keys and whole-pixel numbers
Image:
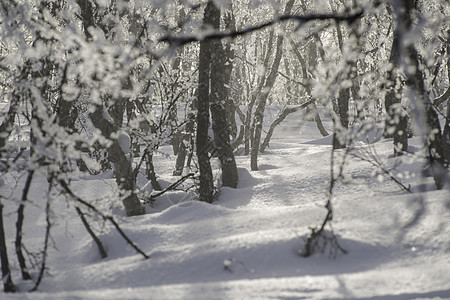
[
  {"x": 246, "y": 244},
  {"x": 124, "y": 142}
]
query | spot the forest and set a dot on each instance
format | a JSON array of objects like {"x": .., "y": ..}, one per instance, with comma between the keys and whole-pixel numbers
[{"x": 120, "y": 117}]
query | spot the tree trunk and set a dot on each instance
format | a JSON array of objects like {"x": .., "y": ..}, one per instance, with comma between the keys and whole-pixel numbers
[
  {"x": 206, "y": 188},
  {"x": 286, "y": 111},
  {"x": 269, "y": 82},
  {"x": 230, "y": 107},
  {"x": 342, "y": 112},
  {"x": 392, "y": 102},
  {"x": 123, "y": 171},
  {"x": 249, "y": 127},
  {"x": 218, "y": 95},
  {"x": 19, "y": 227},
  {"x": 8, "y": 285},
  {"x": 312, "y": 108},
  {"x": 7, "y": 126},
  {"x": 446, "y": 129},
  {"x": 150, "y": 173},
  {"x": 423, "y": 105}
]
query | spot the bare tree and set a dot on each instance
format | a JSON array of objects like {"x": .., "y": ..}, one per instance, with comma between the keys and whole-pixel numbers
[
  {"x": 219, "y": 97},
  {"x": 206, "y": 188},
  {"x": 424, "y": 110},
  {"x": 396, "y": 119},
  {"x": 268, "y": 84}
]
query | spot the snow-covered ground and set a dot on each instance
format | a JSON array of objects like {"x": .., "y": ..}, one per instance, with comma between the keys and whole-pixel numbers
[{"x": 246, "y": 245}]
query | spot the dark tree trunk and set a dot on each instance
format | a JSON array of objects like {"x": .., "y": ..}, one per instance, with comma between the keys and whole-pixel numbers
[
  {"x": 150, "y": 171},
  {"x": 218, "y": 95},
  {"x": 230, "y": 106},
  {"x": 7, "y": 126},
  {"x": 342, "y": 112},
  {"x": 8, "y": 285},
  {"x": 97, "y": 241},
  {"x": 433, "y": 133},
  {"x": 342, "y": 103},
  {"x": 186, "y": 138},
  {"x": 344, "y": 93},
  {"x": 19, "y": 226},
  {"x": 122, "y": 166},
  {"x": 446, "y": 129},
  {"x": 446, "y": 137},
  {"x": 392, "y": 101},
  {"x": 206, "y": 188}
]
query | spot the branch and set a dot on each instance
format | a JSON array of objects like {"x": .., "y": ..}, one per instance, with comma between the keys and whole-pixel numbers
[
  {"x": 286, "y": 111},
  {"x": 66, "y": 187},
  {"x": 97, "y": 241},
  {"x": 171, "y": 187},
  {"x": 19, "y": 226},
  {"x": 183, "y": 40},
  {"x": 46, "y": 242},
  {"x": 372, "y": 158}
]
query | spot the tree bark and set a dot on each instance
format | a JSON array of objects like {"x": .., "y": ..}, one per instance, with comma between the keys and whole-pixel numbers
[
  {"x": 286, "y": 112},
  {"x": 218, "y": 95},
  {"x": 423, "y": 105},
  {"x": 123, "y": 171},
  {"x": 392, "y": 102},
  {"x": 249, "y": 127},
  {"x": 269, "y": 82},
  {"x": 8, "y": 285},
  {"x": 7, "y": 124},
  {"x": 206, "y": 187},
  {"x": 19, "y": 226},
  {"x": 230, "y": 107}
]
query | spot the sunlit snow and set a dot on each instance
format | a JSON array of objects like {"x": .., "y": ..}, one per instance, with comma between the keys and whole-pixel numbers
[{"x": 245, "y": 245}]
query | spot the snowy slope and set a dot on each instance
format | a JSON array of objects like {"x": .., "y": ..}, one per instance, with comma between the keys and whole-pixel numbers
[{"x": 245, "y": 245}]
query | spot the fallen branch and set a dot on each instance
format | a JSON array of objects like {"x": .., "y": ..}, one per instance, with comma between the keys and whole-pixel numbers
[
  {"x": 170, "y": 187},
  {"x": 97, "y": 241},
  {"x": 66, "y": 188}
]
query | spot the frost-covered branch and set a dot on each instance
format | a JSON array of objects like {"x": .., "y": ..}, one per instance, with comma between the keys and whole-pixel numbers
[
  {"x": 301, "y": 20},
  {"x": 372, "y": 158}
]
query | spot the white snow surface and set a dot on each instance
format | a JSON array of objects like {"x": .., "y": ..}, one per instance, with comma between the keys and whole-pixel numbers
[{"x": 246, "y": 244}]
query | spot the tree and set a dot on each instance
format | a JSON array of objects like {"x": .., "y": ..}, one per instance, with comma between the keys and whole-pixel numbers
[
  {"x": 219, "y": 99},
  {"x": 206, "y": 189},
  {"x": 425, "y": 111},
  {"x": 264, "y": 94},
  {"x": 396, "y": 119},
  {"x": 8, "y": 285}
]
